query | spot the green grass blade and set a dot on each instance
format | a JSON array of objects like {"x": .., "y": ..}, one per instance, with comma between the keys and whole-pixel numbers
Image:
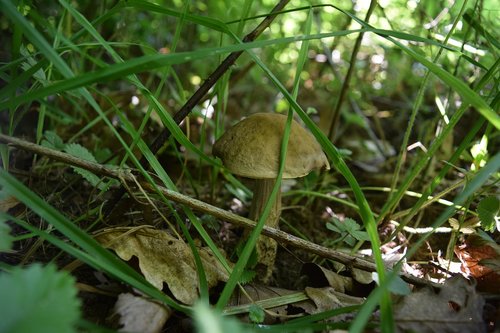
[
  {"x": 415, "y": 171},
  {"x": 470, "y": 19},
  {"x": 468, "y": 95},
  {"x": 341, "y": 166},
  {"x": 252, "y": 239},
  {"x": 146, "y": 63}
]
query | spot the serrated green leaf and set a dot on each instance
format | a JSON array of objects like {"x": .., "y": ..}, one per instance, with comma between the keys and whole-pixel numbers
[
  {"x": 38, "y": 299},
  {"x": 333, "y": 227},
  {"x": 350, "y": 225},
  {"x": 247, "y": 276},
  {"x": 53, "y": 141},
  {"x": 79, "y": 151},
  {"x": 256, "y": 314},
  {"x": 487, "y": 210},
  {"x": 349, "y": 229},
  {"x": 361, "y": 235}
]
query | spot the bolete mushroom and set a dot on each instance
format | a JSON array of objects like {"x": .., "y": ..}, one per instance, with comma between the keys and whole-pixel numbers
[{"x": 251, "y": 149}]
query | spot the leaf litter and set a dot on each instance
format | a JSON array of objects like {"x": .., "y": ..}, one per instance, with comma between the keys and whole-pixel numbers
[{"x": 164, "y": 259}]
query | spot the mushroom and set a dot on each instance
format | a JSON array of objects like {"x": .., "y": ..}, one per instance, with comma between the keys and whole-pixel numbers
[{"x": 251, "y": 149}]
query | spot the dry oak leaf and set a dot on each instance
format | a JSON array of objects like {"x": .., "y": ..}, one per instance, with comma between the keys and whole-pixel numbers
[{"x": 163, "y": 258}]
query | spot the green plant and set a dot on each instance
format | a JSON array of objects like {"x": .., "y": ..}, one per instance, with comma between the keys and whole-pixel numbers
[
  {"x": 38, "y": 299},
  {"x": 78, "y": 66}
]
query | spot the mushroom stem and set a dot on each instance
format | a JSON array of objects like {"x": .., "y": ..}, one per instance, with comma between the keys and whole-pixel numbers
[
  {"x": 261, "y": 193},
  {"x": 266, "y": 247}
]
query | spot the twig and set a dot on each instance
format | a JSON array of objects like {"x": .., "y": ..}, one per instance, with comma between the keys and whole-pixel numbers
[
  {"x": 126, "y": 175},
  {"x": 184, "y": 111}
]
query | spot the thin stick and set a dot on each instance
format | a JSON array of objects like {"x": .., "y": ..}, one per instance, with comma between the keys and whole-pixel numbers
[{"x": 126, "y": 176}]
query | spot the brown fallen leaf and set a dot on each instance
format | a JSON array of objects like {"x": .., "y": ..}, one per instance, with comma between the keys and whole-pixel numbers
[
  {"x": 319, "y": 276},
  {"x": 7, "y": 203},
  {"x": 138, "y": 314},
  {"x": 455, "y": 308},
  {"x": 328, "y": 299},
  {"x": 163, "y": 258},
  {"x": 481, "y": 261}
]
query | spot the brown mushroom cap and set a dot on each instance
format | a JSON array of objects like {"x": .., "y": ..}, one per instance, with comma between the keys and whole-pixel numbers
[{"x": 251, "y": 148}]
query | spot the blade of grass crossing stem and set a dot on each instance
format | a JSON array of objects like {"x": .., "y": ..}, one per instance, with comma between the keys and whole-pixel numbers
[
  {"x": 364, "y": 208},
  {"x": 160, "y": 172},
  {"x": 169, "y": 184},
  {"x": 252, "y": 239},
  {"x": 99, "y": 255},
  {"x": 247, "y": 250}
]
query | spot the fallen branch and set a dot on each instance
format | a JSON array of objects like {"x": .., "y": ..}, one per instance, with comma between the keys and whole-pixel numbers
[{"x": 126, "y": 176}]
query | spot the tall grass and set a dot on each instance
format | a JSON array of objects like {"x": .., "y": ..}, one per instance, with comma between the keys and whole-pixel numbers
[{"x": 61, "y": 65}]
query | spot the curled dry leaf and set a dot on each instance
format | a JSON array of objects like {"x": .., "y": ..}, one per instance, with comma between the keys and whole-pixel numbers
[
  {"x": 138, "y": 314},
  {"x": 163, "y": 258}
]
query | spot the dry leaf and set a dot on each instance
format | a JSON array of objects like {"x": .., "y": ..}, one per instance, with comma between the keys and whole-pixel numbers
[
  {"x": 7, "y": 203},
  {"x": 455, "y": 308},
  {"x": 480, "y": 261},
  {"x": 163, "y": 258},
  {"x": 326, "y": 299},
  {"x": 138, "y": 314},
  {"x": 321, "y": 277},
  {"x": 361, "y": 276}
]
